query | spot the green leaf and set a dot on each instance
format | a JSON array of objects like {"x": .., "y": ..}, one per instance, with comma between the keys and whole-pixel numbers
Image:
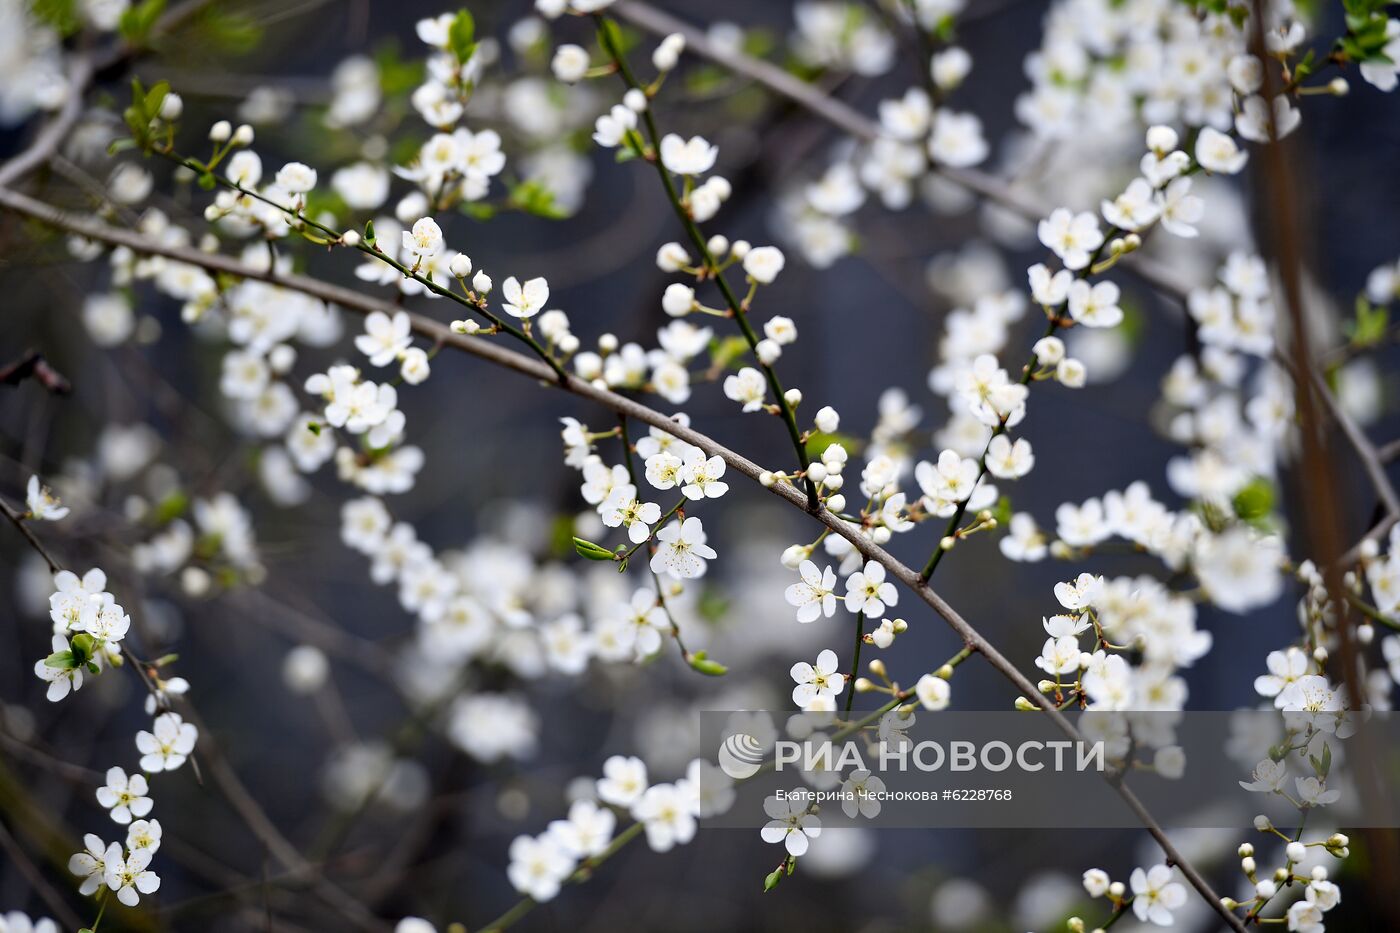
[
  {"x": 62, "y": 660},
  {"x": 771, "y": 880},
  {"x": 171, "y": 507},
  {"x": 461, "y": 36},
  {"x": 590, "y": 551},
  {"x": 61, "y": 15},
  {"x": 818, "y": 442},
  {"x": 1002, "y": 512},
  {"x": 369, "y": 235},
  {"x": 1370, "y": 324},
  {"x": 155, "y": 97},
  {"x": 136, "y": 23},
  {"x": 229, "y": 31},
  {"x": 704, "y": 665},
  {"x": 83, "y": 647},
  {"x": 478, "y": 210},
  {"x": 1255, "y": 501},
  {"x": 532, "y": 197},
  {"x": 397, "y": 76},
  {"x": 725, "y": 352}
]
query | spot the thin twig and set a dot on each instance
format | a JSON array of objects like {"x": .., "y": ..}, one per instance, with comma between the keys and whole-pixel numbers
[{"x": 517, "y": 362}]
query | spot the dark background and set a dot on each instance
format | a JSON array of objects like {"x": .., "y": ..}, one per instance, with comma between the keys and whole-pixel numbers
[{"x": 866, "y": 324}]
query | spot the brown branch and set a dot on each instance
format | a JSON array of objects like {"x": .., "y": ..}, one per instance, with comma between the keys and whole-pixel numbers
[
  {"x": 33, "y": 366},
  {"x": 1282, "y": 234},
  {"x": 509, "y": 359}
]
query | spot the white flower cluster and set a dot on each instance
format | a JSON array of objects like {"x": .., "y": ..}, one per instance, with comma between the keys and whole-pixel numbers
[
  {"x": 89, "y": 626},
  {"x": 666, "y": 812}
]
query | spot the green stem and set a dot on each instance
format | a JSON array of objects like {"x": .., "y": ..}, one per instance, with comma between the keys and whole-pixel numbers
[
  {"x": 101, "y": 909},
  {"x": 855, "y": 660},
  {"x": 697, "y": 238},
  {"x": 956, "y": 521},
  {"x": 655, "y": 578},
  {"x": 1056, "y": 320},
  {"x": 582, "y": 873},
  {"x": 379, "y": 254},
  {"x": 627, "y": 554}
]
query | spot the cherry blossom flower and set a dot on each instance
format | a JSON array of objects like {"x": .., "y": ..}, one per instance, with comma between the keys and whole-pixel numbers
[
  {"x": 868, "y": 592},
  {"x": 681, "y": 550},
  {"x": 129, "y": 876},
  {"x": 125, "y": 796},
  {"x": 687, "y": 157},
  {"x": 667, "y": 816},
  {"x": 42, "y": 503},
  {"x": 815, "y": 595},
  {"x": 167, "y": 745},
  {"x": 817, "y": 681},
  {"x": 1156, "y": 895},
  {"x": 525, "y": 301},
  {"x": 790, "y": 824}
]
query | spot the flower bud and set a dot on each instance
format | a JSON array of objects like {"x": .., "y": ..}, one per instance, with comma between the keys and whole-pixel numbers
[
  {"x": 1161, "y": 139},
  {"x": 836, "y": 503},
  {"x": 243, "y": 136},
  {"x": 460, "y": 266},
  {"x": 827, "y": 420},
  {"x": 792, "y": 396},
  {"x": 678, "y": 300},
  {"x": 1296, "y": 851},
  {"x": 220, "y": 132},
  {"x": 171, "y": 107},
  {"x": 350, "y": 238},
  {"x": 795, "y": 554},
  {"x": 481, "y": 283}
]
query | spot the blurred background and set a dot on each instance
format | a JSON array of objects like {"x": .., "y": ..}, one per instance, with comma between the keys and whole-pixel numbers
[{"x": 145, "y": 419}]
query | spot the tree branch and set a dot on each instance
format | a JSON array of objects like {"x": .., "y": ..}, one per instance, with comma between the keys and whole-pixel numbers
[{"x": 509, "y": 359}]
